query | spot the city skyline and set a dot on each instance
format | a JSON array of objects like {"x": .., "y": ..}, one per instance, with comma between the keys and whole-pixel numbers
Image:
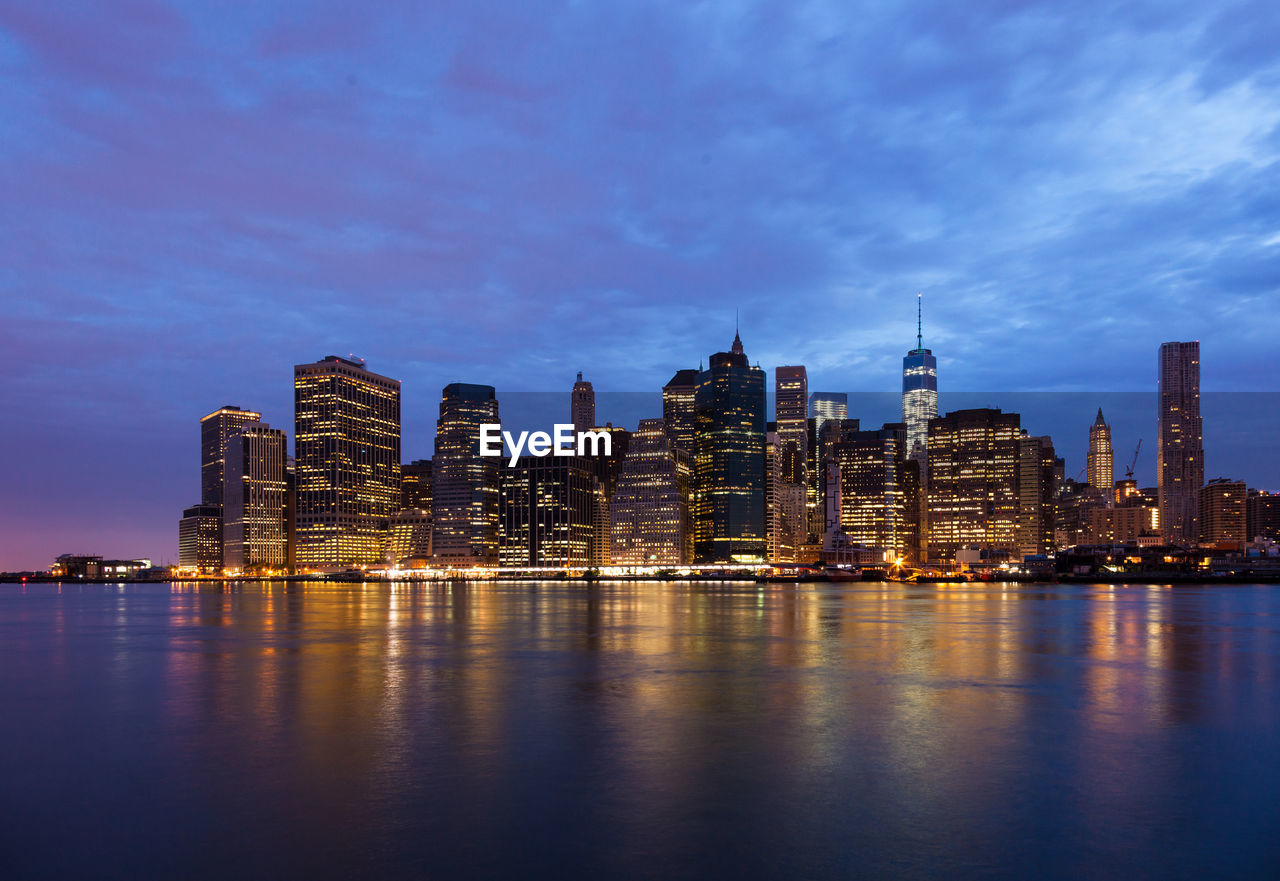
[
  {"x": 203, "y": 200},
  {"x": 550, "y": 405}
]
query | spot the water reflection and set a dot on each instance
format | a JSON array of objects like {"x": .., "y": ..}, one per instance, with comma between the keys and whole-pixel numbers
[{"x": 649, "y": 730}]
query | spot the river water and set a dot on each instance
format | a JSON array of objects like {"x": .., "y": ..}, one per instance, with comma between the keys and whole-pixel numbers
[{"x": 639, "y": 730}]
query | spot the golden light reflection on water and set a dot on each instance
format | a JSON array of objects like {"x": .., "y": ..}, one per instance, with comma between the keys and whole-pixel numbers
[
  {"x": 921, "y": 671},
  {"x": 765, "y": 722}
]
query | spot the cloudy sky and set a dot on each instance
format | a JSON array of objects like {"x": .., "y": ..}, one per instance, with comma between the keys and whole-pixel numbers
[{"x": 197, "y": 197}]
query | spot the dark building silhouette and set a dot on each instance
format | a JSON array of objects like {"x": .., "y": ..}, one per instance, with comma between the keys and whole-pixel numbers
[{"x": 729, "y": 461}]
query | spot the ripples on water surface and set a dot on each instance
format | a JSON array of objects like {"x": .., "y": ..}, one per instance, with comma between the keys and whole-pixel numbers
[{"x": 639, "y": 730}]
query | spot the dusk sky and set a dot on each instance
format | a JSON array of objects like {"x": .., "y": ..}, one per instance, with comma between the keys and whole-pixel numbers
[{"x": 198, "y": 197}]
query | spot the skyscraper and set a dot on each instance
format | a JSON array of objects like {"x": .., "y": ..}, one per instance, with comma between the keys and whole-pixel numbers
[
  {"x": 876, "y": 507},
  {"x": 729, "y": 462},
  {"x": 1101, "y": 467},
  {"x": 677, "y": 409},
  {"x": 548, "y": 512},
  {"x": 1036, "y": 490},
  {"x": 215, "y": 429},
  {"x": 464, "y": 500},
  {"x": 347, "y": 462},
  {"x": 827, "y": 405},
  {"x": 919, "y": 388},
  {"x": 582, "y": 405},
  {"x": 254, "y": 530},
  {"x": 785, "y": 504},
  {"x": 973, "y": 482},
  {"x": 791, "y": 393},
  {"x": 1180, "y": 454},
  {"x": 649, "y": 509}
]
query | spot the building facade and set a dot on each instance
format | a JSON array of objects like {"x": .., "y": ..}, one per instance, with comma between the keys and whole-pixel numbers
[
  {"x": 973, "y": 483},
  {"x": 409, "y": 537},
  {"x": 1100, "y": 465},
  {"x": 200, "y": 539},
  {"x": 649, "y": 508},
  {"x": 415, "y": 485},
  {"x": 1262, "y": 515},
  {"x": 678, "y": 409},
  {"x": 1037, "y": 491},
  {"x": 827, "y": 405},
  {"x": 877, "y": 501},
  {"x": 548, "y": 513},
  {"x": 791, "y": 407},
  {"x": 1224, "y": 511},
  {"x": 1180, "y": 453},
  {"x": 347, "y": 462},
  {"x": 785, "y": 503},
  {"x": 729, "y": 463},
  {"x": 255, "y": 495},
  {"x": 464, "y": 501},
  {"x": 919, "y": 389}
]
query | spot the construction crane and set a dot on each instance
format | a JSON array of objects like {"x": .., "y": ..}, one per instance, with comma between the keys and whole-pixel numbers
[{"x": 1128, "y": 471}]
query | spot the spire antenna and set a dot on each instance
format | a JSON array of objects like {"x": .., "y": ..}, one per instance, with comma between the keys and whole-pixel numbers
[{"x": 919, "y": 332}]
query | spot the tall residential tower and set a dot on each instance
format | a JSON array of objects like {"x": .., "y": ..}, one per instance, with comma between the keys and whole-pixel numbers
[{"x": 1180, "y": 455}]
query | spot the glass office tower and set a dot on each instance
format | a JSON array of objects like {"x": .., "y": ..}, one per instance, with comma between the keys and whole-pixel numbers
[
  {"x": 919, "y": 389},
  {"x": 729, "y": 461}
]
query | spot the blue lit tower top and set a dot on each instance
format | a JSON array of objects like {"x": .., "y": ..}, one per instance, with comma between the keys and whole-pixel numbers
[{"x": 919, "y": 387}]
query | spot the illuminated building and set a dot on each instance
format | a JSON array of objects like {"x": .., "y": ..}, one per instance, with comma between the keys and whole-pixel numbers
[
  {"x": 827, "y": 405},
  {"x": 215, "y": 430},
  {"x": 582, "y": 405},
  {"x": 678, "y": 409},
  {"x": 200, "y": 539},
  {"x": 791, "y": 392},
  {"x": 823, "y": 493},
  {"x": 1223, "y": 511},
  {"x": 649, "y": 508},
  {"x": 1100, "y": 466},
  {"x": 606, "y": 469},
  {"x": 728, "y": 465},
  {"x": 1180, "y": 454},
  {"x": 1037, "y": 488},
  {"x": 973, "y": 482},
  {"x": 1262, "y": 515},
  {"x": 1120, "y": 525},
  {"x": 919, "y": 389},
  {"x": 464, "y": 499},
  {"x": 347, "y": 460},
  {"x": 878, "y": 501},
  {"x": 548, "y": 513},
  {"x": 409, "y": 536},
  {"x": 415, "y": 485},
  {"x": 253, "y": 516},
  {"x": 785, "y": 504}
]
